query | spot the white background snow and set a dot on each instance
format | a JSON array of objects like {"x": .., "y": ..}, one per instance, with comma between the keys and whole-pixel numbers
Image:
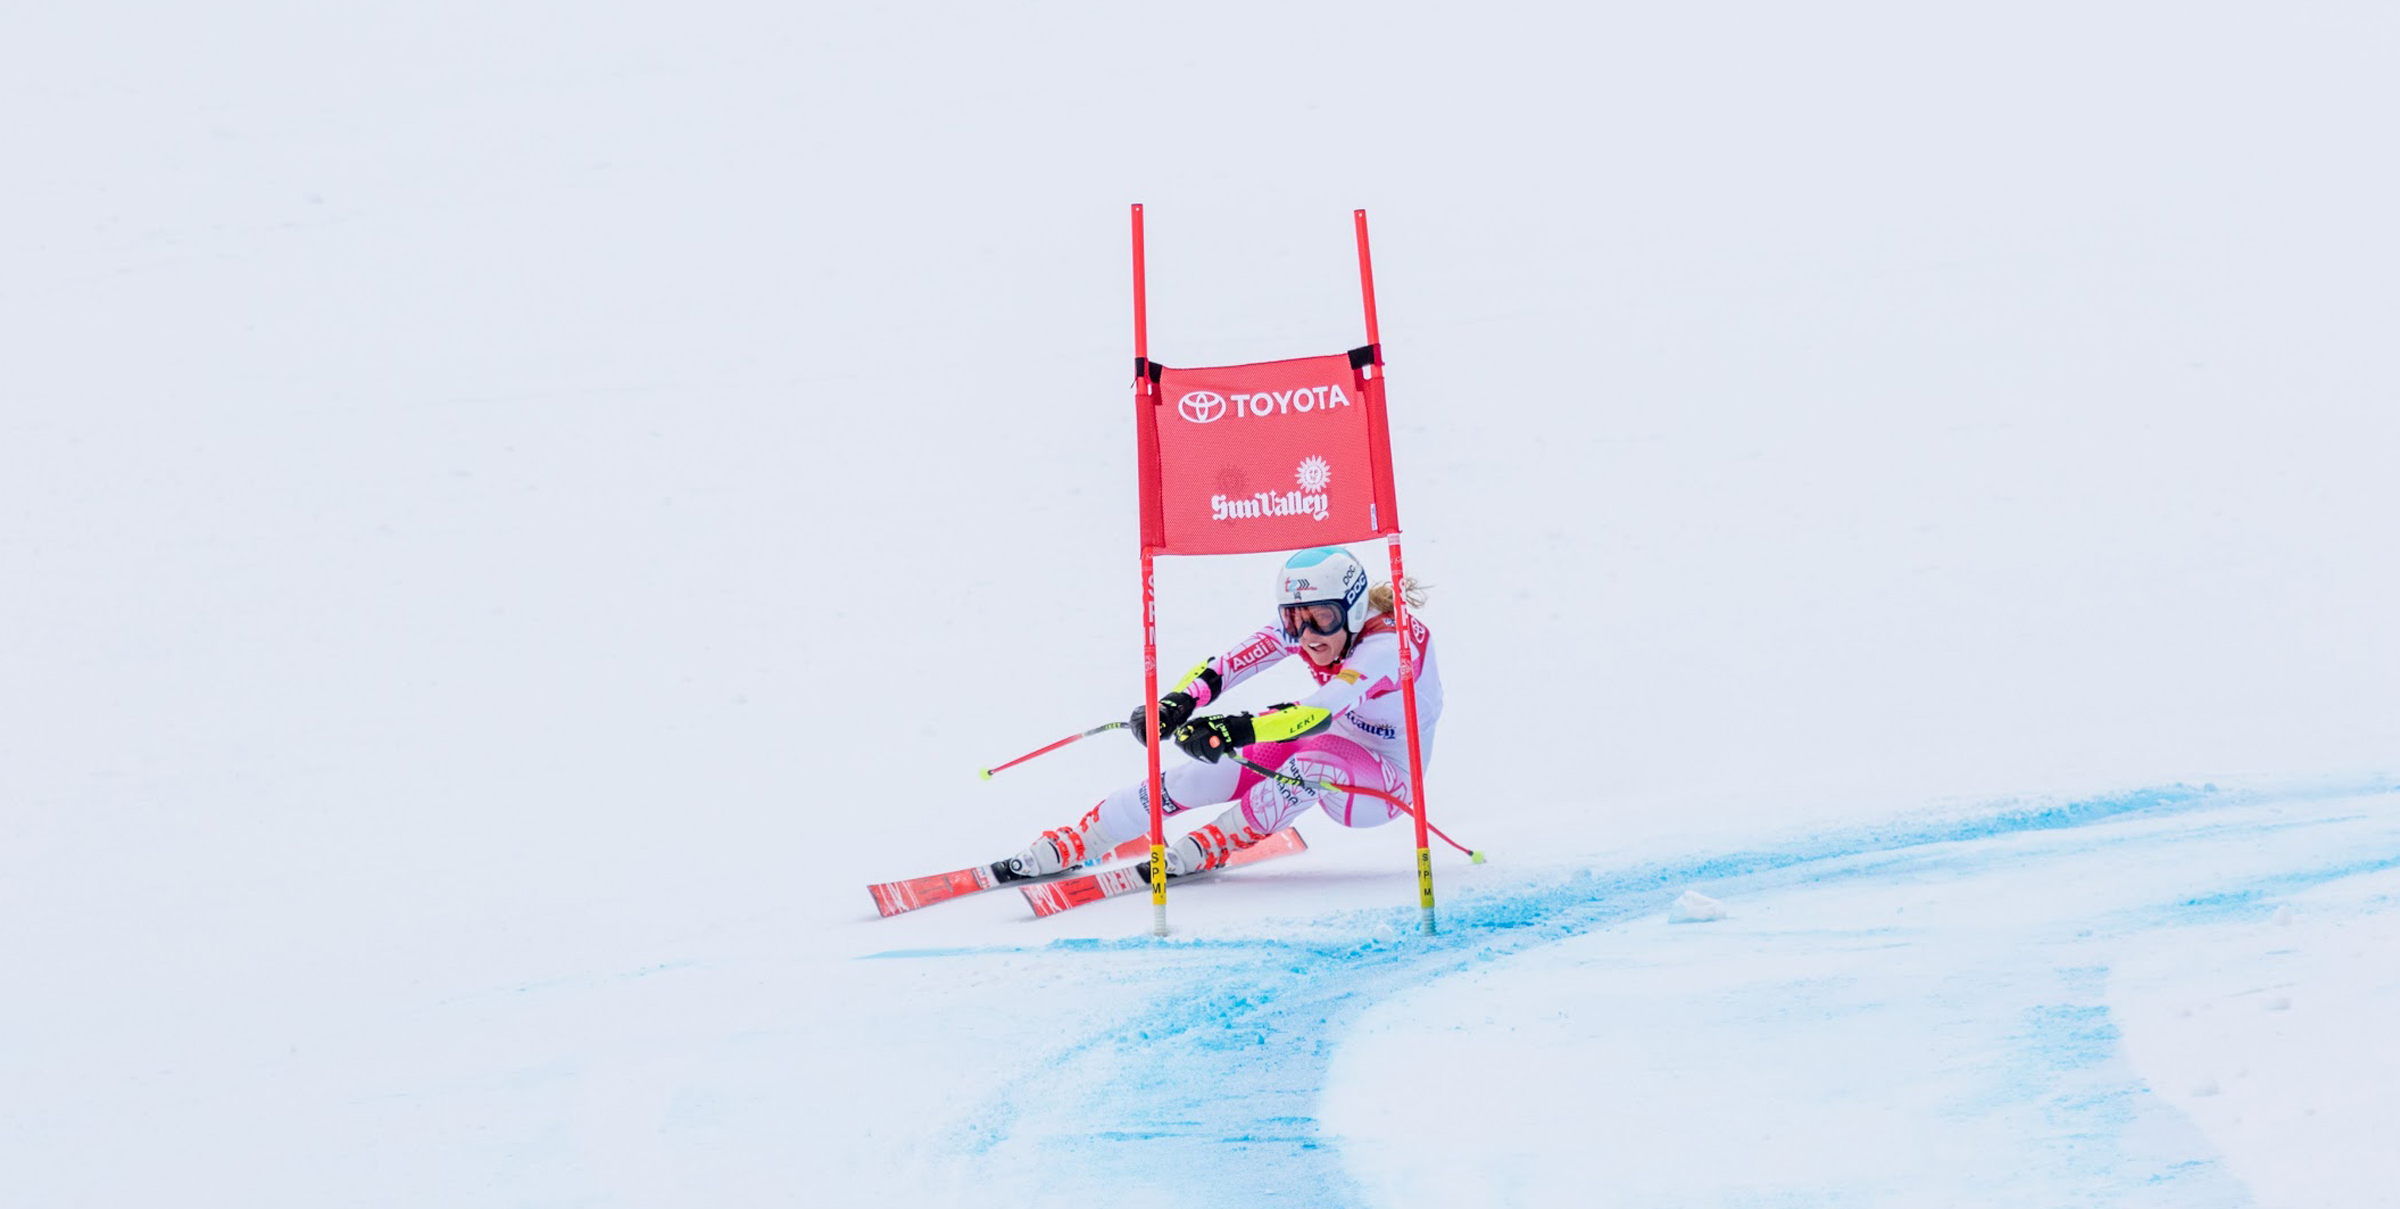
[{"x": 511, "y": 514}]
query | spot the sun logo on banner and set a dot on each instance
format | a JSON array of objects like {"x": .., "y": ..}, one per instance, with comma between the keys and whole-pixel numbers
[{"x": 1314, "y": 474}]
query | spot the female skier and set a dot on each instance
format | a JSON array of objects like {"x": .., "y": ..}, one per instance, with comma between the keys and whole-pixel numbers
[{"x": 1351, "y": 731}]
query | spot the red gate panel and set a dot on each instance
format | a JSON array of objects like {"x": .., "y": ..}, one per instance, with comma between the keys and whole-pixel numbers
[{"x": 1276, "y": 455}]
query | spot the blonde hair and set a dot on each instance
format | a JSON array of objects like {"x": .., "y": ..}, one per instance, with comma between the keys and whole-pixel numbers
[{"x": 1379, "y": 598}]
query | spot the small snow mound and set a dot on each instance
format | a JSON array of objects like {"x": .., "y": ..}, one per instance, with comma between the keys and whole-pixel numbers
[
  {"x": 1695, "y": 908},
  {"x": 2283, "y": 916}
]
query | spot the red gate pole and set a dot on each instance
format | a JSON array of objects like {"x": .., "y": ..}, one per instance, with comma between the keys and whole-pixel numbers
[
  {"x": 1408, "y": 653},
  {"x": 1142, "y": 392}
]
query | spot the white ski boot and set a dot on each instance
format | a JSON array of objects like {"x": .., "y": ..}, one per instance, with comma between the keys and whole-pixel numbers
[{"x": 1040, "y": 859}]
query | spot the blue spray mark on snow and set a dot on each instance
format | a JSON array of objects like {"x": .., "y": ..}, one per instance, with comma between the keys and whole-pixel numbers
[
  {"x": 1208, "y": 1096},
  {"x": 2259, "y": 897}
]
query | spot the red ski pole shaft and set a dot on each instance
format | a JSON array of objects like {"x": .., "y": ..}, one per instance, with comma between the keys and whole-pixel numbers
[{"x": 1043, "y": 751}]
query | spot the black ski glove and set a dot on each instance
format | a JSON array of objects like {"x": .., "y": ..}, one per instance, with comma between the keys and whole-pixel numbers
[
  {"x": 1174, "y": 710},
  {"x": 1215, "y": 737}
]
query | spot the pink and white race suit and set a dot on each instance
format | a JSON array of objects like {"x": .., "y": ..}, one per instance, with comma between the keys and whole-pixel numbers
[{"x": 1365, "y": 743}]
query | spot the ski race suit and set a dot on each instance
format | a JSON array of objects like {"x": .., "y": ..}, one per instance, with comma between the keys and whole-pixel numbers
[{"x": 1359, "y": 738}]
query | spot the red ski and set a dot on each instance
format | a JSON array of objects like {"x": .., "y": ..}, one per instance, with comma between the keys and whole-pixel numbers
[
  {"x": 892, "y": 898},
  {"x": 1050, "y": 898}
]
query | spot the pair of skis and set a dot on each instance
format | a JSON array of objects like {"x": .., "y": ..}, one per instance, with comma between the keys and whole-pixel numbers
[{"x": 1049, "y": 896}]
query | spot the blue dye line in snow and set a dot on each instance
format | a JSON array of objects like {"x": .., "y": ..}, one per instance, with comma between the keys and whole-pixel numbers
[
  {"x": 1221, "y": 1074},
  {"x": 2259, "y": 897}
]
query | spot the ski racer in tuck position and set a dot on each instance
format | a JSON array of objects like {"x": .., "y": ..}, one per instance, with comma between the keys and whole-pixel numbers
[{"x": 1351, "y": 731}]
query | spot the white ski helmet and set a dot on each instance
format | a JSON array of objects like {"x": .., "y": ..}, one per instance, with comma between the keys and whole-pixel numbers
[{"x": 1322, "y": 575}]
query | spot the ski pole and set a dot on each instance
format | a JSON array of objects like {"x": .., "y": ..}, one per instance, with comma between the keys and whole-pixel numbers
[
  {"x": 1338, "y": 787},
  {"x": 1043, "y": 751}
]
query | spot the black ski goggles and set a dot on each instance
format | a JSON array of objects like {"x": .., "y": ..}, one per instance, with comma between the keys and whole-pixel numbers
[{"x": 1323, "y": 618}]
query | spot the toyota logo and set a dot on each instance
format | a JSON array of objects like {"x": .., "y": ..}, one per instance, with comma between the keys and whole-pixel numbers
[{"x": 1201, "y": 406}]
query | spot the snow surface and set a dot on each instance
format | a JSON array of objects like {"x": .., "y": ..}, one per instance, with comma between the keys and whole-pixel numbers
[
  {"x": 512, "y": 513},
  {"x": 2035, "y": 1012}
]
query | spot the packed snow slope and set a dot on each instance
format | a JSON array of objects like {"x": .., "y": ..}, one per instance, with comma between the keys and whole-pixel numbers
[{"x": 513, "y": 513}]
